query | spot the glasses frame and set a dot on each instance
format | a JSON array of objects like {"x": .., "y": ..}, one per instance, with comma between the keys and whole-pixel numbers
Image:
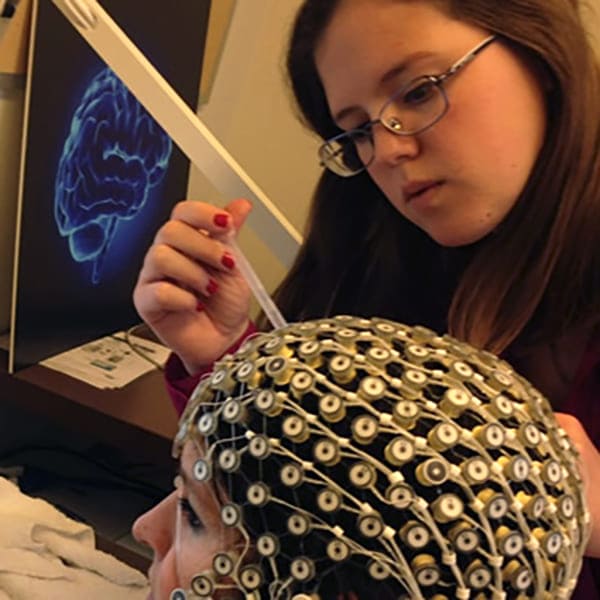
[{"x": 391, "y": 124}]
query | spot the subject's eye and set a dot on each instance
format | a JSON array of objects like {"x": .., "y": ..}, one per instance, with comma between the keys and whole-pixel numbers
[
  {"x": 190, "y": 514},
  {"x": 420, "y": 92}
]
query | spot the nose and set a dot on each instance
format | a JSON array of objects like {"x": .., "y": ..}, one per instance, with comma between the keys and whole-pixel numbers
[
  {"x": 390, "y": 148},
  {"x": 156, "y": 528}
]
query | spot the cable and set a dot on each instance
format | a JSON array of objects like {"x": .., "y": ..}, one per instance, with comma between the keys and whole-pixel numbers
[{"x": 138, "y": 348}]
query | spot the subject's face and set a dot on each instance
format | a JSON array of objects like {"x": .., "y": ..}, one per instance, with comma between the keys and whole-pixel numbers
[
  {"x": 201, "y": 532},
  {"x": 472, "y": 164}
]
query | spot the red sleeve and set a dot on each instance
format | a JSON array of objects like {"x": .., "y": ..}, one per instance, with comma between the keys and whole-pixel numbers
[
  {"x": 583, "y": 403},
  {"x": 584, "y": 398},
  {"x": 180, "y": 384}
]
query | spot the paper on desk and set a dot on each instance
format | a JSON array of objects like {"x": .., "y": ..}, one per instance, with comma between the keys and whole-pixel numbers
[{"x": 109, "y": 362}]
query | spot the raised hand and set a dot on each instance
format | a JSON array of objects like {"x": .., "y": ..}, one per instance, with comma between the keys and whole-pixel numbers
[{"x": 189, "y": 290}]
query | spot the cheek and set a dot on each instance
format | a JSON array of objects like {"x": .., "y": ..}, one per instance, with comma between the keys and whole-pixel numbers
[
  {"x": 165, "y": 577},
  {"x": 178, "y": 571},
  {"x": 501, "y": 127},
  {"x": 197, "y": 553},
  {"x": 490, "y": 153}
]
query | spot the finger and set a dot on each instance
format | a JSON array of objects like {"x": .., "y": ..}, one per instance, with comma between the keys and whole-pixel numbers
[
  {"x": 196, "y": 245},
  {"x": 162, "y": 297},
  {"x": 239, "y": 210},
  {"x": 201, "y": 215},
  {"x": 573, "y": 429},
  {"x": 163, "y": 263},
  {"x": 567, "y": 421}
]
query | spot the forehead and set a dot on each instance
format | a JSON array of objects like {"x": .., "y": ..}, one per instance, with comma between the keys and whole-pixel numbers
[
  {"x": 191, "y": 451},
  {"x": 205, "y": 492},
  {"x": 370, "y": 27},
  {"x": 366, "y": 38}
]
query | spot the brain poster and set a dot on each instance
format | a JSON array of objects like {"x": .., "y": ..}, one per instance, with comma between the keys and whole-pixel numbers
[
  {"x": 113, "y": 158},
  {"x": 100, "y": 175}
]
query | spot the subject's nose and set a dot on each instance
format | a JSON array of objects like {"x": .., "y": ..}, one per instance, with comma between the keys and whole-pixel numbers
[
  {"x": 156, "y": 528},
  {"x": 391, "y": 148}
]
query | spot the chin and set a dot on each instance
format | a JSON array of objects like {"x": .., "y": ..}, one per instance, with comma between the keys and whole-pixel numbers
[
  {"x": 455, "y": 241},
  {"x": 455, "y": 237}
]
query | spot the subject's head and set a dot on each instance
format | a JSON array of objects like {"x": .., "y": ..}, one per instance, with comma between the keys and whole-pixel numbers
[
  {"x": 454, "y": 152},
  {"x": 361, "y": 458}
]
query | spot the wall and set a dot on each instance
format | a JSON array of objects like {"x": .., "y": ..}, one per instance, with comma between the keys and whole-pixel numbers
[
  {"x": 591, "y": 16},
  {"x": 250, "y": 112},
  {"x": 13, "y": 49},
  {"x": 12, "y": 91}
]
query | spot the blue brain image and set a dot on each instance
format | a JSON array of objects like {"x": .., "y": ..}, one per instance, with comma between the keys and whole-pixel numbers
[{"x": 114, "y": 155}]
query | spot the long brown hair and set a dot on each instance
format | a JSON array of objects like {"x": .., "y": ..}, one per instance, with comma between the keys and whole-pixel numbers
[{"x": 536, "y": 277}]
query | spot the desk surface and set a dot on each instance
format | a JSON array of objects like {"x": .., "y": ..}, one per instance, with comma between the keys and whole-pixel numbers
[
  {"x": 143, "y": 403},
  {"x": 141, "y": 413}
]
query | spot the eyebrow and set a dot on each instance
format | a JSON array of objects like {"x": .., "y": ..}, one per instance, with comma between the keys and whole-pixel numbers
[
  {"x": 190, "y": 483},
  {"x": 196, "y": 493},
  {"x": 388, "y": 76}
]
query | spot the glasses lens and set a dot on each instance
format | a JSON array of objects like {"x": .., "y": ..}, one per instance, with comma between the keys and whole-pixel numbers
[
  {"x": 347, "y": 154},
  {"x": 414, "y": 107}
]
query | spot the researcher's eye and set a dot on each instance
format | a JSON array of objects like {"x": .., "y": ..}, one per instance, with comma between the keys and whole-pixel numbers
[
  {"x": 419, "y": 92},
  {"x": 190, "y": 515},
  {"x": 361, "y": 135}
]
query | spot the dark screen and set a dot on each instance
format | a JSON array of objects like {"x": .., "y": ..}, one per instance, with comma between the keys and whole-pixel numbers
[{"x": 100, "y": 176}]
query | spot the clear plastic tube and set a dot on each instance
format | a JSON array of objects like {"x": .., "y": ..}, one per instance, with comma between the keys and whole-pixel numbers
[{"x": 258, "y": 289}]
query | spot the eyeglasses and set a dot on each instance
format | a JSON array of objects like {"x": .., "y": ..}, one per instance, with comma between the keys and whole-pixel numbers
[{"x": 415, "y": 107}]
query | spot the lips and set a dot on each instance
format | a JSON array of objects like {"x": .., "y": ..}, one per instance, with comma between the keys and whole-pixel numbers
[{"x": 414, "y": 189}]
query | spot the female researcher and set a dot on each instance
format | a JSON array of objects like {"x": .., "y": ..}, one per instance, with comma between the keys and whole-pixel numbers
[{"x": 460, "y": 192}]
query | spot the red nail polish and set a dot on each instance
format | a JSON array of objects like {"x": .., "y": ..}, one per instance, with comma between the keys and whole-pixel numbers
[
  {"x": 212, "y": 287},
  {"x": 228, "y": 261},
  {"x": 221, "y": 220},
  {"x": 199, "y": 306}
]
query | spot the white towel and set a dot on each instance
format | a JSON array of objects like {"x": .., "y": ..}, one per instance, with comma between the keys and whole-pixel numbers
[{"x": 45, "y": 555}]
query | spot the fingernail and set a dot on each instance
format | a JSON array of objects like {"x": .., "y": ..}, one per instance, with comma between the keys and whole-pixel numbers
[
  {"x": 200, "y": 306},
  {"x": 228, "y": 261},
  {"x": 212, "y": 287},
  {"x": 221, "y": 220}
]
